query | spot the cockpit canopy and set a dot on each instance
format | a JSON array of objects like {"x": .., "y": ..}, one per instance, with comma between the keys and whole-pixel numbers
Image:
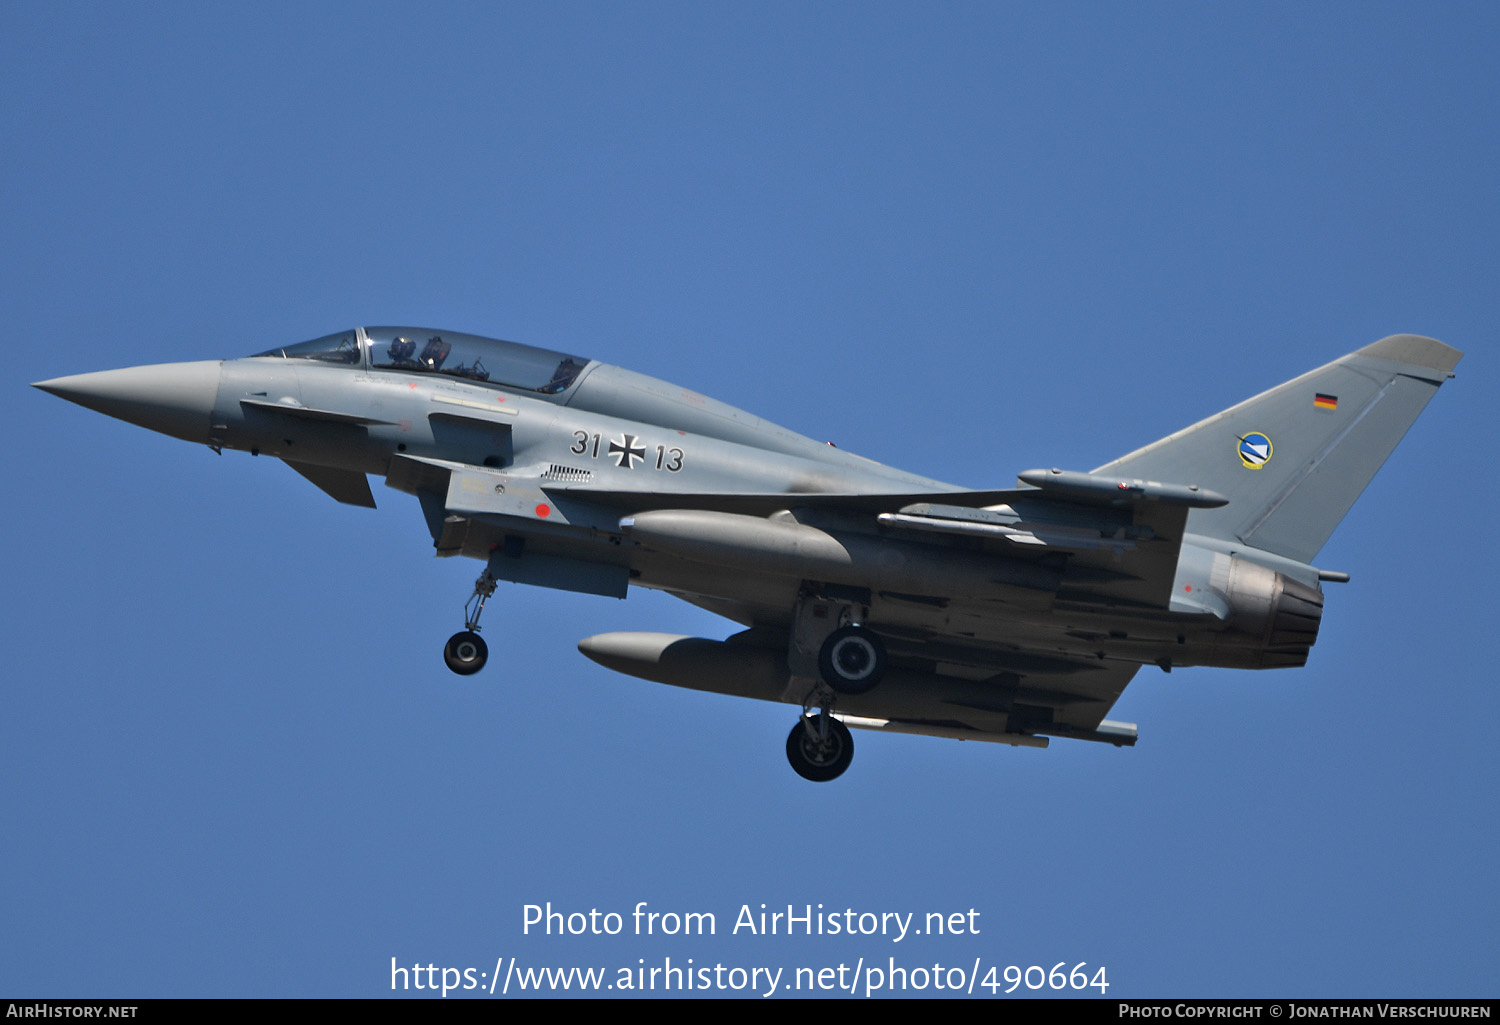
[{"x": 425, "y": 351}]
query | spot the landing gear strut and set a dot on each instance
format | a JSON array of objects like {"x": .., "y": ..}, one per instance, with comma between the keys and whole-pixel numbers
[
  {"x": 819, "y": 746},
  {"x": 465, "y": 653}
]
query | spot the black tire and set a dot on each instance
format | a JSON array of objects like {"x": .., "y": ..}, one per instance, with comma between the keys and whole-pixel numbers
[
  {"x": 465, "y": 653},
  {"x": 852, "y": 660},
  {"x": 819, "y": 761}
]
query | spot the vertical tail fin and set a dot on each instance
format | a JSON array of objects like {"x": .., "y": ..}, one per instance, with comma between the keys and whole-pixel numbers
[{"x": 1293, "y": 460}]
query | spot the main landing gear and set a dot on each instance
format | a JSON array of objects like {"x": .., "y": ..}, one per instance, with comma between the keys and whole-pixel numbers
[
  {"x": 819, "y": 747},
  {"x": 829, "y": 639},
  {"x": 852, "y": 660},
  {"x": 465, "y": 653}
]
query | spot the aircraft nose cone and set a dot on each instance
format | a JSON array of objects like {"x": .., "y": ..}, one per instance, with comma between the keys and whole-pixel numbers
[{"x": 173, "y": 398}]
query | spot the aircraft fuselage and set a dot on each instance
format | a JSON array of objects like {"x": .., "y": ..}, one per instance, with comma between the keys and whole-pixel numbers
[{"x": 996, "y": 615}]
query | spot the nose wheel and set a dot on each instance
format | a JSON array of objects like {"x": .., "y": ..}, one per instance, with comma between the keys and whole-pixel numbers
[{"x": 466, "y": 653}]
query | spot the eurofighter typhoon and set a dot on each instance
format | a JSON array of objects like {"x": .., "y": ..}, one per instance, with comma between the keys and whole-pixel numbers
[{"x": 869, "y": 597}]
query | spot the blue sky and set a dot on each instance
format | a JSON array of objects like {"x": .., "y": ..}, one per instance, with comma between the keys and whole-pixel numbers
[{"x": 966, "y": 240}]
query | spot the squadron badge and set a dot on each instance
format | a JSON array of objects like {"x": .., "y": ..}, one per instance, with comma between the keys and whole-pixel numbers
[{"x": 1255, "y": 450}]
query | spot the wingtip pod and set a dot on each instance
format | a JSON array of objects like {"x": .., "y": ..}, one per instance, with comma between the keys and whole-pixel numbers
[
  {"x": 1089, "y": 487},
  {"x": 1415, "y": 351}
]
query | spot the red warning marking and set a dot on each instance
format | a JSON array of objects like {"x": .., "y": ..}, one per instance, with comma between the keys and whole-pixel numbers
[
  {"x": 1188, "y": 587},
  {"x": 411, "y": 384},
  {"x": 543, "y": 511}
]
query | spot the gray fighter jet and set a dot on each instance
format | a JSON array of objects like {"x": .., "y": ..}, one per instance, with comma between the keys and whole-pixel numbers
[{"x": 870, "y": 597}]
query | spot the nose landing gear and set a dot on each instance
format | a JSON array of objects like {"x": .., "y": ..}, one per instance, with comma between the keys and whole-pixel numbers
[{"x": 466, "y": 653}]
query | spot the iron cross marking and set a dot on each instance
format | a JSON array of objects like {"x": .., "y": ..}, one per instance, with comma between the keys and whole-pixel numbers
[{"x": 626, "y": 451}]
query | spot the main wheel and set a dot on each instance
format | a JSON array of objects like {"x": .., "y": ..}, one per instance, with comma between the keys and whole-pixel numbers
[
  {"x": 852, "y": 660},
  {"x": 465, "y": 653},
  {"x": 818, "y": 758}
]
